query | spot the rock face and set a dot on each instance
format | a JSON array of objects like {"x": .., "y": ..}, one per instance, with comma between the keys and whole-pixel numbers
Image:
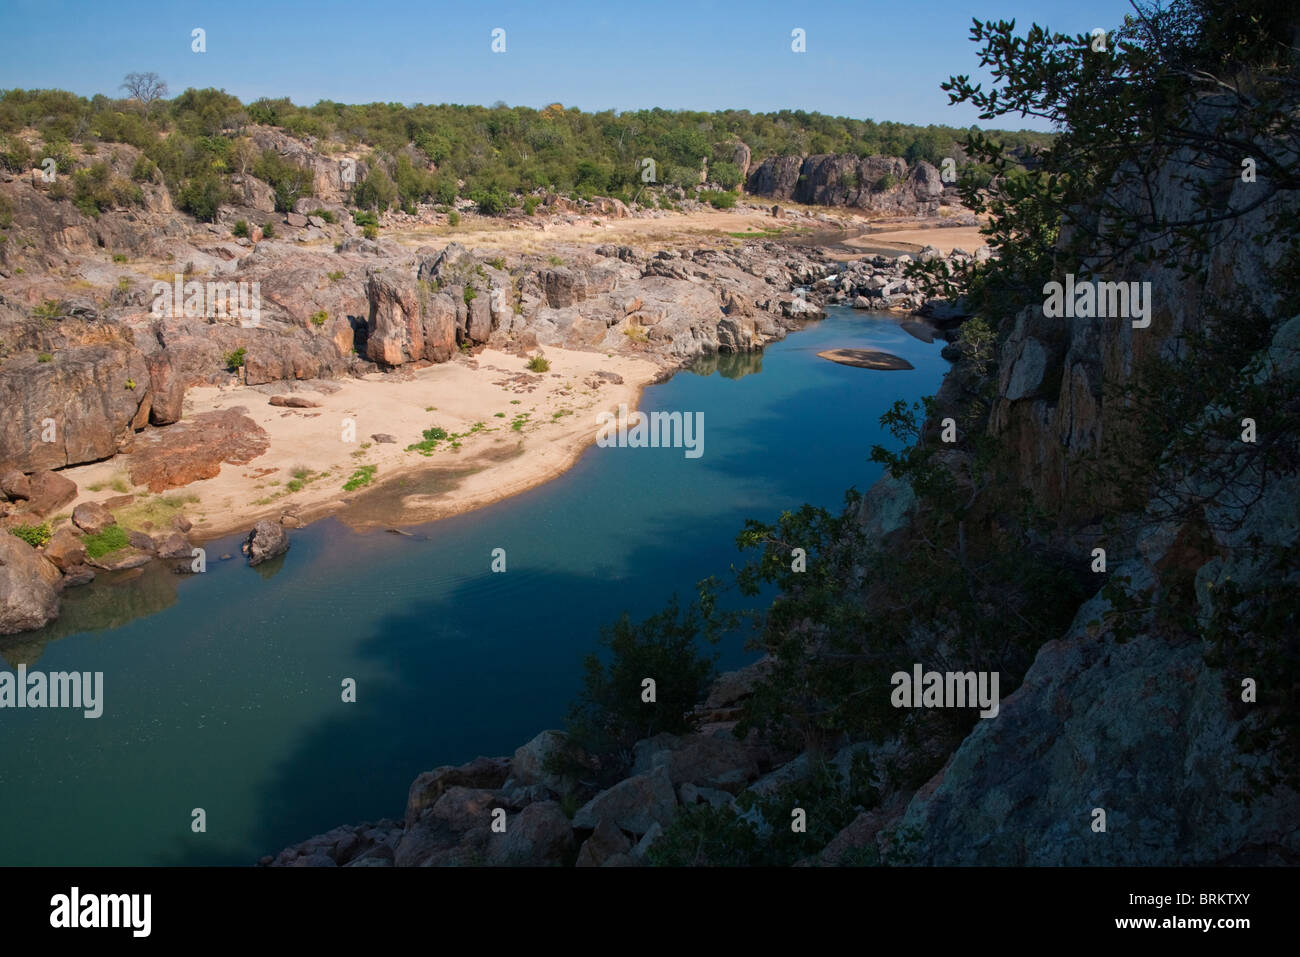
[
  {"x": 28, "y": 586},
  {"x": 71, "y": 404},
  {"x": 884, "y": 184},
  {"x": 266, "y": 541}
]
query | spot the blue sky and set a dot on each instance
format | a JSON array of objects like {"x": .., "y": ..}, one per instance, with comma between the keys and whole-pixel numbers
[{"x": 869, "y": 59}]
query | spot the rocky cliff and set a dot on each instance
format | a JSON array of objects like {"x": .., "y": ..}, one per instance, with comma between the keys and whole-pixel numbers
[{"x": 879, "y": 184}]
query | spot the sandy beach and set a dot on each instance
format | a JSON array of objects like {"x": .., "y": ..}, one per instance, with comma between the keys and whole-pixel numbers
[{"x": 533, "y": 427}]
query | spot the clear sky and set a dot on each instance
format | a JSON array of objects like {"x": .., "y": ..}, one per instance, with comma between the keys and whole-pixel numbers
[{"x": 877, "y": 59}]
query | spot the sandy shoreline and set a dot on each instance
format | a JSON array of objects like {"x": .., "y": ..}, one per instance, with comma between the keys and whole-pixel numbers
[{"x": 534, "y": 426}]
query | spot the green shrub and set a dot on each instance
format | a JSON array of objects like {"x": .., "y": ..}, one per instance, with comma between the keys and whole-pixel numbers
[
  {"x": 36, "y": 536},
  {"x": 453, "y": 218},
  {"x": 335, "y": 276},
  {"x": 609, "y": 715},
  {"x": 106, "y": 542},
  {"x": 319, "y": 318},
  {"x": 531, "y": 203},
  {"x": 45, "y": 357},
  {"x": 717, "y": 199},
  {"x": 370, "y": 232},
  {"x": 144, "y": 170},
  {"x": 268, "y": 230},
  {"x": 431, "y": 439},
  {"x": 360, "y": 478},
  {"x": 202, "y": 196},
  {"x": 287, "y": 179},
  {"x": 119, "y": 258},
  {"x": 470, "y": 294},
  {"x": 235, "y": 359},
  {"x": 241, "y": 229},
  {"x": 539, "y": 364}
]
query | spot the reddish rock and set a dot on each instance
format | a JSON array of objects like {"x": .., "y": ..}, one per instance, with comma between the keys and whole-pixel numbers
[
  {"x": 92, "y": 518},
  {"x": 65, "y": 549},
  {"x": 294, "y": 402},
  {"x": 196, "y": 448},
  {"x": 28, "y": 586},
  {"x": 167, "y": 390},
  {"x": 15, "y": 485},
  {"x": 50, "y": 492}
]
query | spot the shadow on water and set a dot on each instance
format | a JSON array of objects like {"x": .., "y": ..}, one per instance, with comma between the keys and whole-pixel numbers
[
  {"x": 112, "y": 600},
  {"x": 501, "y": 689}
]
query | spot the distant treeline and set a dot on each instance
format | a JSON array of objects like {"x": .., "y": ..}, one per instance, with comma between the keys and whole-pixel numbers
[{"x": 486, "y": 153}]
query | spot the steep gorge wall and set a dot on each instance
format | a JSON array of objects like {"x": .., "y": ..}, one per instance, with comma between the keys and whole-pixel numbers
[{"x": 1139, "y": 726}]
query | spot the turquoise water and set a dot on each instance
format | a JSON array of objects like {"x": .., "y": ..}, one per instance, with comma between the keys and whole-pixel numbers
[{"x": 222, "y": 690}]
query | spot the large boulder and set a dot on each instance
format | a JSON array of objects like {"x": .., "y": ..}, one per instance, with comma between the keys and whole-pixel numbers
[
  {"x": 15, "y": 486},
  {"x": 528, "y": 767},
  {"x": 50, "y": 491},
  {"x": 606, "y": 846},
  {"x": 66, "y": 549},
  {"x": 634, "y": 804},
  {"x": 266, "y": 541},
  {"x": 92, "y": 518},
  {"x": 539, "y": 835},
  {"x": 29, "y": 595},
  {"x": 425, "y": 790}
]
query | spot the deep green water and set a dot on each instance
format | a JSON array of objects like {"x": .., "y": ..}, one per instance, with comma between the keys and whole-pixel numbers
[{"x": 222, "y": 690}]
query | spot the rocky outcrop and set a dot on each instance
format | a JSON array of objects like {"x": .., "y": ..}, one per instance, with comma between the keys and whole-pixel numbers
[
  {"x": 882, "y": 184},
  {"x": 196, "y": 449},
  {"x": 78, "y": 396}
]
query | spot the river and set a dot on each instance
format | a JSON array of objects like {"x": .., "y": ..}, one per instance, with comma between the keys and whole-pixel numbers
[{"x": 222, "y": 690}]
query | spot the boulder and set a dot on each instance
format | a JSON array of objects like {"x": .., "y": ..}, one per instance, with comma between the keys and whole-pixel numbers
[
  {"x": 463, "y": 809},
  {"x": 427, "y": 788},
  {"x": 528, "y": 765},
  {"x": 15, "y": 486},
  {"x": 92, "y": 518},
  {"x": 606, "y": 841},
  {"x": 174, "y": 546},
  {"x": 29, "y": 596},
  {"x": 65, "y": 549},
  {"x": 633, "y": 804},
  {"x": 538, "y": 835},
  {"x": 267, "y": 540},
  {"x": 49, "y": 492}
]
